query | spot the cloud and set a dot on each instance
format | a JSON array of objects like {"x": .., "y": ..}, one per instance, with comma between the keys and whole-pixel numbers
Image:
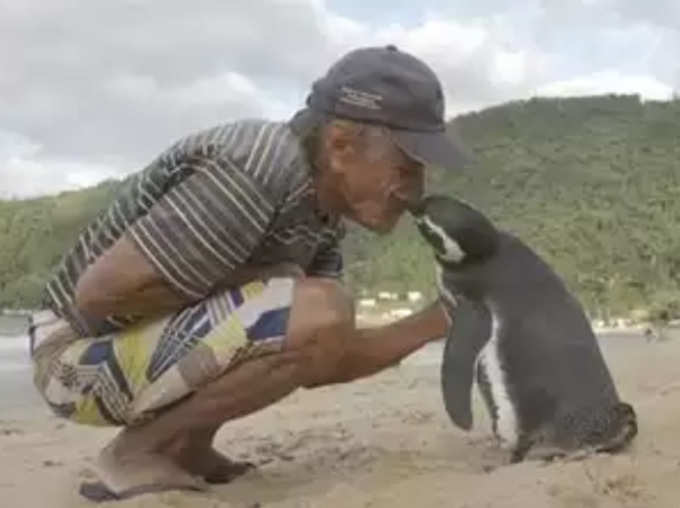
[
  {"x": 230, "y": 91},
  {"x": 475, "y": 60},
  {"x": 662, "y": 13},
  {"x": 609, "y": 81},
  {"x": 25, "y": 173},
  {"x": 102, "y": 87},
  {"x": 510, "y": 66}
]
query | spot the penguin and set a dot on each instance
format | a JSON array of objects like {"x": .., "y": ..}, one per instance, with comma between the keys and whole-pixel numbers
[{"x": 522, "y": 337}]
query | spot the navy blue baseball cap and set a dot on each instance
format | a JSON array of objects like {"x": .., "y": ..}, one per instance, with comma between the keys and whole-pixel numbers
[{"x": 386, "y": 86}]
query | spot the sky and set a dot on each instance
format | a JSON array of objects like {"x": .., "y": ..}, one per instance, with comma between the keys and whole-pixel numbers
[{"x": 95, "y": 89}]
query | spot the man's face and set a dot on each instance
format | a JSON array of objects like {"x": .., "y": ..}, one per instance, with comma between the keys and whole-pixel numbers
[{"x": 376, "y": 181}]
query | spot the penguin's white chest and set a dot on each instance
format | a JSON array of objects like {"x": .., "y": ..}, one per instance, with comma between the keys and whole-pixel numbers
[{"x": 490, "y": 360}]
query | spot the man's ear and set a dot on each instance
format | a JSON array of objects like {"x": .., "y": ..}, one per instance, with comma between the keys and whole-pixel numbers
[{"x": 340, "y": 141}]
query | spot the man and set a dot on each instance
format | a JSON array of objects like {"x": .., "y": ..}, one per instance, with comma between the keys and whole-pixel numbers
[{"x": 208, "y": 289}]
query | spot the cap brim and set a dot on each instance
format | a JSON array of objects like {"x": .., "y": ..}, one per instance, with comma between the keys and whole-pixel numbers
[{"x": 431, "y": 148}]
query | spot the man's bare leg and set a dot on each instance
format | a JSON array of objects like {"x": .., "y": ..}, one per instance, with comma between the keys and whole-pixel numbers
[
  {"x": 253, "y": 385},
  {"x": 322, "y": 347},
  {"x": 193, "y": 451}
]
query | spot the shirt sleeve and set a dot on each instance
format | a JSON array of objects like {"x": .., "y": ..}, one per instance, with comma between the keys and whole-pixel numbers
[
  {"x": 328, "y": 262},
  {"x": 205, "y": 226}
]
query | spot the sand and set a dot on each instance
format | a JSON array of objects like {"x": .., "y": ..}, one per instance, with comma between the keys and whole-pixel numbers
[{"x": 381, "y": 442}]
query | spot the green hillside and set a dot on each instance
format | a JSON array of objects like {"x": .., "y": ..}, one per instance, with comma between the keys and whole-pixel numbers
[
  {"x": 591, "y": 183},
  {"x": 35, "y": 232}
]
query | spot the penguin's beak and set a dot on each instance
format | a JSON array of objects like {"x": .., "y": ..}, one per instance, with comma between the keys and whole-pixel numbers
[{"x": 417, "y": 208}]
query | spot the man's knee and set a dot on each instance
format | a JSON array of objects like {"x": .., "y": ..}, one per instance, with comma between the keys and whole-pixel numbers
[
  {"x": 318, "y": 304},
  {"x": 322, "y": 320}
]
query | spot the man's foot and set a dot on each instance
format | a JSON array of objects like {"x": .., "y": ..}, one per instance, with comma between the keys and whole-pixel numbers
[
  {"x": 216, "y": 468},
  {"x": 199, "y": 458},
  {"x": 124, "y": 474}
]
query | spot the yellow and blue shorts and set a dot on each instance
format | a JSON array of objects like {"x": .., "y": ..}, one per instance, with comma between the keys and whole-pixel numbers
[{"x": 129, "y": 376}]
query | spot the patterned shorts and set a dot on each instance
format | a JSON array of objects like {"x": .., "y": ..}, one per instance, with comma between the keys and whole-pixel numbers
[{"x": 127, "y": 377}]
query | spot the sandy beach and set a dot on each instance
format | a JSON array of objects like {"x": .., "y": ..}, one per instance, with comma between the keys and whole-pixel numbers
[{"x": 381, "y": 442}]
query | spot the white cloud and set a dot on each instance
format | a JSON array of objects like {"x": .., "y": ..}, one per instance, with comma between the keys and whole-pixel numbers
[
  {"x": 31, "y": 177},
  {"x": 338, "y": 29},
  {"x": 106, "y": 86},
  {"x": 608, "y": 81},
  {"x": 133, "y": 87},
  {"x": 225, "y": 87},
  {"x": 509, "y": 67},
  {"x": 443, "y": 40},
  {"x": 475, "y": 60},
  {"x": 25, "y": 173},
  {"x": 229, "y": 90},
  {"x": 13, "y": 144}
]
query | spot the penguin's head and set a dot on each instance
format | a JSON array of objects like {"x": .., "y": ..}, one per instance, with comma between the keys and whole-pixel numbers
[{"x": 456, "y": 231}]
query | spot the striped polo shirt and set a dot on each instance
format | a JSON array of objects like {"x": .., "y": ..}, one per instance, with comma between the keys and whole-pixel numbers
[{"x": 233, "y": 194}]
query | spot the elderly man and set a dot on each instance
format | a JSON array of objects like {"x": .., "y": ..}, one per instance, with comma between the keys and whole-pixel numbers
[{"x": 208, "y": 289}]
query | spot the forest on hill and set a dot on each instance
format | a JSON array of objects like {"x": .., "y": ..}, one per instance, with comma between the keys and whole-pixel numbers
[{"x": 591, "y": 183}]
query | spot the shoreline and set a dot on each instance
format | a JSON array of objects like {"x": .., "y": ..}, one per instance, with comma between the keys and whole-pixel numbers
[{"x": 16, "y": 370}]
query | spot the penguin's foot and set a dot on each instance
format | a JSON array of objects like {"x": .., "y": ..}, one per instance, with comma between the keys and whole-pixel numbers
[{"x": 551, "y": 456}]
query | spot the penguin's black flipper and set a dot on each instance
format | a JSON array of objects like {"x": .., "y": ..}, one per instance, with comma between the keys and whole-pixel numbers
[{"x": 469, "y": 333}]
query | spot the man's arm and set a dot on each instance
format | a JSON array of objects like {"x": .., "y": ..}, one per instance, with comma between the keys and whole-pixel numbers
[
  {"x": 371, "y": 350},
  {"x": 134, "y": 286},
  {"x": 123, "y": 281},
  {"x": 196, "y": 238}
]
